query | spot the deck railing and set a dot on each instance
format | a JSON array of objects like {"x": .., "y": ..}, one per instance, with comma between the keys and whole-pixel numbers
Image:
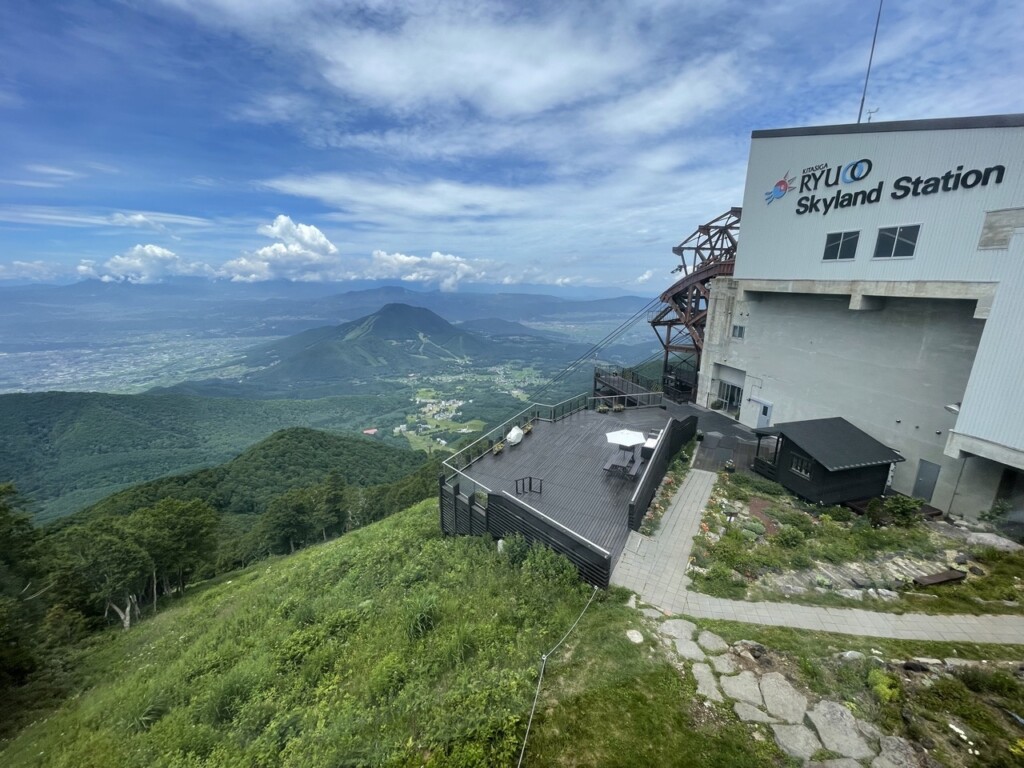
[{"x": 535, "y": 412}]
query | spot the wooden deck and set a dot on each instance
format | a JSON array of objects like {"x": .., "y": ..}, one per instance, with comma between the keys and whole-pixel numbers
[{"x": 569, "y": 456}]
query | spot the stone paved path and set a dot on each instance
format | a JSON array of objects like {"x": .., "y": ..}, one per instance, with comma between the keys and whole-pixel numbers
[{"x": 655, "y": 568}]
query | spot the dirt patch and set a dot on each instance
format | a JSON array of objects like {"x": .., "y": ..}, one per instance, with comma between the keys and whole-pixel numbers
[{"x": 757, "y": 507}]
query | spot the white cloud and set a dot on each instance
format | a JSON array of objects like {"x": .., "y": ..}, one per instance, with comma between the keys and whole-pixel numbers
[
  {"x": 143, "y": 264},
  {"x": 645, "y": 277},
  {"x": 27, "y": 270},
  {"x": 303, "y": 253},
  {"x": 136, "y": 220},
  {"x": 442, "y": 269}
]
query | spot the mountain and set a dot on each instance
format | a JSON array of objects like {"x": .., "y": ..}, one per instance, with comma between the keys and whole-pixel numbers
[
  {"x": 497, "y": 327},
  {"x": 66, "y": 450},
  {"x": 298, "y": 457},
  {"x": 397, "y": 339}
]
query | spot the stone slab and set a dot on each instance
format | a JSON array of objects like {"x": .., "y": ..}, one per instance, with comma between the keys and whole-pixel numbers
[
  {"x": 742, "y": 687},
  {"x": 689, "y": 650},
  {"x": 651, "y": 613},
  {"x": 749, "y": 714},
  {"x": 781, "y": 699},
  {"x": 838, "y": 730},
  {"x": 680, "y": 628},
  {"x": 724, "y": 664},
  {"x": 711, "y": 642},
  {"x": 707, "y": 686},
  {"x": 634, "y": 636},
  {"x": 796, "y": 740},
  {"x": 896, "y": 753},
  {"x": 839, "y": 762}
]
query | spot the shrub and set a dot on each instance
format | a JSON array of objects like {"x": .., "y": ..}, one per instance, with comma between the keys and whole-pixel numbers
[
  {"x": 838, "y": 513},
  {"x": 885, "y": 687},
  {"x": 748, "y": 535},
  {"x": 790, "y": 537},
  {"x": 754, "y": 526},
  {"x": 902, "y": 510},
  {"x": 761, "y": 485},
  {"x": 994, "y": 681},
  {"x": 516, "y": 548}
]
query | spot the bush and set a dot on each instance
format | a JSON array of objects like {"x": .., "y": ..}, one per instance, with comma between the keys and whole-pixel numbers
[
  {"x": 903, "y": 510},
  {"x": 790, "y": 537},
  {"x": 994, "y": 681},
  {"x": 794, "y": 518},
  {"x": 837, "y": 513},
  {"x": 885, "y": 687},
  {"x": 758, "y": 484},
  {"x": 748, "y": 535},
  {"x": 754, "y": 526}
]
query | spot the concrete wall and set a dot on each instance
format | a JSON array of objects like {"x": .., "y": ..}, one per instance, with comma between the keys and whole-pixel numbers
[{"x": 889, "y": 371}]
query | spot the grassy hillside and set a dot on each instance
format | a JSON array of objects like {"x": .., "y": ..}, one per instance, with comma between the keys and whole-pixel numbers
[
  {"x": 390, "y": 646},
  {"x": 66, "y": 450}
]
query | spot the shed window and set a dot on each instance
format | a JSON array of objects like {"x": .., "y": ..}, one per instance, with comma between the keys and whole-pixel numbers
[
  {"x": 897, "y": 242},
  {"x": 841, "y": 246},
  {"x": 801, "y": 465},
  {"x": 738, "y": 331}
]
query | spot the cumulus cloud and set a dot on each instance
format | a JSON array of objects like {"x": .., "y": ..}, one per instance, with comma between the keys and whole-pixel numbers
[
  {"x": 645, "y": 277},
  {"x": 136, "y": 220},
  {"x": 143, "y": 264},
  {"x": 27, "y": 270},
  {"x": 302, "y": 253},
  {"x": 442, "y": 269}
]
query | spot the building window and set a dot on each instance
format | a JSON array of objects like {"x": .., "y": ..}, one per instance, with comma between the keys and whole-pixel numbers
[
  {"x": 801, "y": 465},
  {"x": 897, "y": 242},
  {"x": 840, "y": 246},
  {"x": 730, "y": 397},
  {"x": 738, "y": 331}
]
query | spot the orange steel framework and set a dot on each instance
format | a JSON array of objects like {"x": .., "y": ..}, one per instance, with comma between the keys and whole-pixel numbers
[{"x": 708, "y": 253}]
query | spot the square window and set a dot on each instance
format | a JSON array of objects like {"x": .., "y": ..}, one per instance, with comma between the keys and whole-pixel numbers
[
  {"x": 841, "y": 246},
  {"x": 897, "y": 242},
  {"x": 738, "y": 331}
]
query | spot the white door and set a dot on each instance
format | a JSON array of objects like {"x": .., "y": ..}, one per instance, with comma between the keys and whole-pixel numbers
[{"x": 764, "y": 414}]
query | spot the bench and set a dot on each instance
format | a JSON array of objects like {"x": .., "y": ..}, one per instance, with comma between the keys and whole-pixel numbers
[{"x": 951, "y": 576}]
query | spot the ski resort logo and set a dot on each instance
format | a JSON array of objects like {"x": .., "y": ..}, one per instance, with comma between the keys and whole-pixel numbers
[{"x": 782, "y": 186}]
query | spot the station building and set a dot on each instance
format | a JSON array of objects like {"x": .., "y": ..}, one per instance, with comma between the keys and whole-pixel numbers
[{"x": 880, "y": 278}]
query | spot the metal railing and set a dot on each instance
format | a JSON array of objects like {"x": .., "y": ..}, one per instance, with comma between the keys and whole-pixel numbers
[
  {"x": 535, "y": 412},
  {"x": 630, "y": 375}
]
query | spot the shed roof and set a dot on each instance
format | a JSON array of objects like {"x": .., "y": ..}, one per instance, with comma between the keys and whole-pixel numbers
[{"x": 835, "y": 443}]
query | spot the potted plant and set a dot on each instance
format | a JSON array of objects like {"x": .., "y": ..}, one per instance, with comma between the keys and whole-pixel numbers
[
  {"x": 618, "y": 408},
  {"x": 498, "y": 447},
  {"x": 602, "y": 408},
  {"x": 527, "y": 427}
]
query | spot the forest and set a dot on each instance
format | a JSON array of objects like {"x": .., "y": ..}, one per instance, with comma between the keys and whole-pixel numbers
[{"x": 123, "y": 558}]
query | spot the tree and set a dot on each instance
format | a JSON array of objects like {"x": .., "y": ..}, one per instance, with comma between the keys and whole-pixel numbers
[
  {"x": 288, "y": 521},
  {"x": 99, "y": 565},
  {"x": 17, "y": 589}
]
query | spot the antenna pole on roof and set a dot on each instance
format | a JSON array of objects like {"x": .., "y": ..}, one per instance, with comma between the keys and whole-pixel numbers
[{"x": 871, "y": 58}]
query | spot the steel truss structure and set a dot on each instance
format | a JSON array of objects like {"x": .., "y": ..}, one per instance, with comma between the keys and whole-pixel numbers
[{"x": 708, "y": 253}]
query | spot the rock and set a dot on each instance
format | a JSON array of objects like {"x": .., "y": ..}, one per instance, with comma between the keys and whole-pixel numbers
[
  {"x": 634, "y": 636},
  {"x": 929, "y": 661},
  {"x": 915, "y": 666},
  {"x": 749, "y": 714},
  {"x": 680, "y": 628},
  {"x": 689, "y": 650},
  {"x": 711, "y": 642},
  {"x": 852, "y": 594},
  {"x": 631, "y": 603},
  {"x": 888, "y": 595},
  {"x": 746, "y": 655},
  {"x": 896, "y": 753},
  {"x": 742, "y": 687},
  {"x": 838, "y": 730},
  {"x": 724, "y": 665},
  {"x": 796, "y": 740},
  {"x": 955, "y": 663},
  {"x": 791, "y": 589},
  {"x": 651, "y": 613},
  {"x": 706, "y": 685},
  {"x": 839, "y": 762},
  {"x": 850, "y": 656},
  {"x": 869, "y": 731},
  {"x": 960, "y": 559},
  {"x": 756, "y": 649},
  {"x": 781, "y": 699},
  {"x": 993, "y": 540},
  {"x": 976, "y": 570}
]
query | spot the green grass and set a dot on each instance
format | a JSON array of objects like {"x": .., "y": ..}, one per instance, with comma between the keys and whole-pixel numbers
[{"x": 390, "y": 646}]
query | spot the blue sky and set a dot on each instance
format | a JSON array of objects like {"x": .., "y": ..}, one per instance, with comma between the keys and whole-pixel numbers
[{"x": 442, "y": 143}]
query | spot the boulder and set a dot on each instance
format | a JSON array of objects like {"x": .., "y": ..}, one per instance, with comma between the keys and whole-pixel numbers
[
  {"x": 896, "y": 753},
  {"x": 634, "y": 636}
]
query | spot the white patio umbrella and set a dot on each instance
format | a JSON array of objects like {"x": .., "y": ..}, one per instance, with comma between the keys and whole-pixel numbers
[{"x": 626, "y": 438}]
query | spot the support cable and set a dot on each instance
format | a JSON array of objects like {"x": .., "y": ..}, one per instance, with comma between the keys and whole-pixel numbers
[{"x": 540, "y": 677}]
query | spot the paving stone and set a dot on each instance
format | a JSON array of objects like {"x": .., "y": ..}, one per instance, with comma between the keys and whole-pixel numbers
[
  {"x": 796, "y": 740},
  {"x": 750, "y": 714},
  {"x": 711, "y": 642},
  {"x": 838, "y": 730},
  {"x": 689, "y": 650},
  {"x": 680, "y": 628},
  {"x": 634, "y": 636},
  {"x": 782, "y": 699},
  {"x": 724, "y": 664},
  {"x": 706, "y": 684},
  {"x": 839, "y": 762},
  {"x": 651, "y": 613},
  {"x": 742, "y": 687}
]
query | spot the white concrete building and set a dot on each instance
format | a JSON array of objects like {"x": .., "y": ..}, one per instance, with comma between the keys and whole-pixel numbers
[{"x": 880, "y": 277}]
